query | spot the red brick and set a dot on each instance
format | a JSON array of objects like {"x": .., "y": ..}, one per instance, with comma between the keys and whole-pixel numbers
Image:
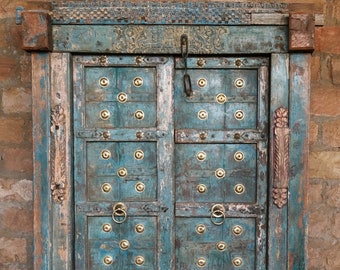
[
  {"x": 15, "y": 190},
  {"x": 325, "y": 102},
  {"x": 331, "y": 133},
  {"x": 314, "y": 194},
  {"x": 324, "y": 165},
  {"x": 13, "y": 250},
  {"x": 327, "y": 39},
  {"x": 315, "y": 68},
  {"x": 336, "y": 227},
  {"x": 318, "y": 224},
  {"x": 335, "y": 70},
  {"x": 11, "y": 130},
  {"x": 17, "y": 100},
  {"x": 313, "y": 132},
  {"x": 16, "y": 160},
  {"x": 16, "y": 220},
  {"x": 333, "y": 195},
  {"x": 7, "y": 66}
]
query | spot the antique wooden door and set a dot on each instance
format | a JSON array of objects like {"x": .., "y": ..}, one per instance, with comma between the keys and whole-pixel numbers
[
  {"x": 164, "y": 179},
  {"x": 169, "y": 135}
]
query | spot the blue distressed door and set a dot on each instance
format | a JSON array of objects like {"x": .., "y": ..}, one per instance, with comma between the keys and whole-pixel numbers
[
  {"x": 169, "y": 181},
  {"x": 123, "y": 162}
]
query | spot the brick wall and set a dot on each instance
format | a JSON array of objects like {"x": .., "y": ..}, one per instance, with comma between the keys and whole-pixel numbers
[{"x": 16, "y": 144}]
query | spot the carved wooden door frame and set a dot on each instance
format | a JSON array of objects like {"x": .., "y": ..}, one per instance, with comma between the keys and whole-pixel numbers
[{"x": 55, "y": 34}]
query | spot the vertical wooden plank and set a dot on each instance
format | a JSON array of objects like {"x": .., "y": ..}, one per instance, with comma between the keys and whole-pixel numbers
[
  {"x": 63, "y": 205},
  {"x": 299, "y": 119},
  {"x": 165, "y": 78},
  {"x": 277, "y": 219},
  {"x": 41, "y": 140}
]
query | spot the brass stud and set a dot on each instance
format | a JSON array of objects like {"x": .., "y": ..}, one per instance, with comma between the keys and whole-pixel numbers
[
  {"x": 201, "y": 156},
  {"x": 139, "y": 228},
  {"x": 106, "y": 187},
  {"x": 239, "y": 115},
  {"x": 239, "y": 83},
  {"x": 221, "y": 246},
  {"x": 124, "y": 244},
  {"x": 238, "y": 62},
  {"x": 238, "y": 156},
  {"x": 139, "y": 260},
  {"x": 104, "y": 82},
  {"x": 203, "y": 135},
  {"x": 140, "y": 187},
  {"x": 106, "y": 154},
  {"x": 201, "y": 62},
  {"x": 200, "y": 228},
  {"x": 138, "y": 81},
  {"x": 201, "y": 188},
  {"x": 108, "y": 260},
  {"x": 237, "y": 262},
  {"x": 201, "y": 262},
  {"x": 239, "y": 189},
  {"x": 122, "y": 97},
  {"x": 139, "y": 114},
  {"x": 237, "y": 230},
  {"x": 202, "y": 114},
  {"x": 104, "y": 114},
  {"x": 202, "y": 82},
  {"x": 220, "y": 173},
  {"x": 139, "y": 135},
  {"x": 122, "y": 172},
  {"x": 107, "y": 227},
  {"x": 221, "y": 98},
  {"x": 139, "y": 154},
  {"x": 106, "y": 134}
]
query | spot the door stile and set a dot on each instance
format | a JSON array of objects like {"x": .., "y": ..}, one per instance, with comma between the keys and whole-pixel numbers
[
  {"x": 61, "y": 161},
  {"x": 262, "y": 167},
  {"x": 165, "y": 164},
  {"x": 277, "y": 216}
]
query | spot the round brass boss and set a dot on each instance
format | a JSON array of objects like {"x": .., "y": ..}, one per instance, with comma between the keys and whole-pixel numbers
[
  {"x": 239, "y": 189},
  {"x": 239, "y": 115},
  {"x": 108, "y": 260},
  {"x": 104, "y": 81},
  {"x": 139, "y": 154},
  {"x": 237, "y": 262},
  {"x": 200, "y": 228},
  {"x": 122, "y": 97},
  {"x": 122, "y": 172},
  {"x": 202, "y": 82},
  {"x": 140, "y": 187},
  {"x": 201, "y": 155},
  {"x": 201, "y": 188},
  {"x": 139, "y": 260},
  {"x": 203, "y": 135},
  {"x": 139, "y": 228},
  {"x": 220, "y": 173},
  {"x": 239, "y": 83},
  {"x": 124, "y": 244},
  {"x": 106, "y": 154},
  {"x": 237, "y": 230},
  {"x": 106, "y": 187},
  {"x": 202, "y": 114},
  {"x": 107, "y": 227},
  {"x": 221, "y": 246},
  {"x": 221, "y": 98},
  {"x": 201, "y": 262},
  {"x": 238, "y": 156},
  {"x": 104, "y": 114},
  {"x": 138, "y": 81},
  {"x": 139, "y": 114}
]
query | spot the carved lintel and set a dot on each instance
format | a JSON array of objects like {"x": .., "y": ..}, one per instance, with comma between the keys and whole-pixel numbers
[
  {"x": 36, "y": 31},
  {"x": 58, "y": 154},
  {"x": 301, "y": 32},
  {"x": 281, "y": 157}
]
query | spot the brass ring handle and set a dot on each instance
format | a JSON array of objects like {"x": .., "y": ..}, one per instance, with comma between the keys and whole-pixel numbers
[
  {"x": 217, "y": 216},
  {"x": 121, "y": 214}
]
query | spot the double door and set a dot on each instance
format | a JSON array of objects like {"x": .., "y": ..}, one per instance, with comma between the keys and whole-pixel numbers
[{"x": 166, "y": 179}]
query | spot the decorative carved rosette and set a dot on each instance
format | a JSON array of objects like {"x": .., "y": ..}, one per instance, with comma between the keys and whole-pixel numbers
[
  {"x": 58, "y": 154},
  {"x": 281, "y": 157}
]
